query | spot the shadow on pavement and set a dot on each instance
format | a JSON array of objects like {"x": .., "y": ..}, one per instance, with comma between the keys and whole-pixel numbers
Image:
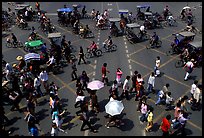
[
  {"x": 41, "y": 114},
  {"x": 13, "y": 120},
  {"x": 155, "y": 127},
  {"x": 13, "y": 129},
  {"x": 102, "y": 105},
  {"x": 45, "y": 101},
  {"x": 128, "y": 125}
]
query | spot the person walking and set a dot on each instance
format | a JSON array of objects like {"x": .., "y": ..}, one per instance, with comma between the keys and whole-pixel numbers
[
  {"x": 134, "y": 78},
  {"x": 189, "y": 68},
  {"x": 151, "y": 81},
  {"x": 37, "y": 85},
  {"x": 44, "y": 79},
  {"x": 157, "y": 65},
  {"x": 85, "y": 79},
  {"x": 192, "y": 91},
  {"x": 149, "y": 120},
  {"x": 143, "y": 111},
  {"x": 104, "y": 71},
  {"x": 81, "y": 56},
  {"x": 126, "y": 88},
  {"x": 165, "y": 125},
  {"x": 14, "y": 96},
  {"x": 196, "y": 98},
  {"x": 74, "y": 69},
  {"x": 119, "y": 74}
]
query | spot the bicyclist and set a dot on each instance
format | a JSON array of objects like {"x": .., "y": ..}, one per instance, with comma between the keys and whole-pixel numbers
[
  {"x": 50, "y": 63},
  {"x": 93, "y": 47},
  {"x": 154, "y": 39},
  {"x": 101, "y": 21},
  {"x": 86, "y": 31},
  {"x": 108, "y": 42},
  {"x": 14, "y": 38},
  {"x": 142, "y": 31},
  {"x": 166, "y": 12},
  {"x": 185, "y": 55}
]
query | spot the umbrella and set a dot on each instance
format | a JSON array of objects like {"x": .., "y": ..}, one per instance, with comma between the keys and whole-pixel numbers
[
  {"x": 114, "y": 107},
  {"x": 186, "y": 7},
  {"x": 32, "y": 56},
  {"x": 95, "y": 85}
]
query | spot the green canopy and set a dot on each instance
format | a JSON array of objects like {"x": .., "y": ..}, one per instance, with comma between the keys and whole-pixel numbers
[{"x": 34, "y": 43}]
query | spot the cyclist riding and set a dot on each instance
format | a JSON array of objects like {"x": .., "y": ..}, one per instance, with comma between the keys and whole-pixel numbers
[
  {"x": 185, "y": 55},
  {"x": 93, "y": 47},
  {"x": 154, "y": 39},
  {"x": 86, "y": 31},
  {"x": 108, "y": 42},
  {"x": 142, "y": 31}
]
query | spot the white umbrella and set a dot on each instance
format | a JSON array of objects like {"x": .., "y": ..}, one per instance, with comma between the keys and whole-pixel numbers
[
  {"x": 186, "y": 7},
  {"x": 114, "y": 107},
  {"x": 32, "y": 56},
  {"x": 95, "y": 85}
]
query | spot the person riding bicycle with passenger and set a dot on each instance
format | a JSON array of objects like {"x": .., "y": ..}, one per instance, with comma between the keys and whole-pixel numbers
[
  {"x": 108, "y": 42},
  {"x": 101, "y": 21},
  {"x": 93, "y": 47},
  {"x": 154, "y": 39}
]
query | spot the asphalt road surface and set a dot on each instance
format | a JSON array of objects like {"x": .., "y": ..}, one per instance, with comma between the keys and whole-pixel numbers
[{"x": 129, "y": 57}]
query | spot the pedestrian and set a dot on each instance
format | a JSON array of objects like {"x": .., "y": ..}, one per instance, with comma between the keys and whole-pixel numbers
[
  {"x": 134, "y": 78},
  {"x": 119, "y": 74},
  {"x": 151, "y": 81},
  {"x": 78, "y": 85},
  {"x": 85, "y": 121},
  {"x": 149, "y": 120},
  {"x": 74, "y": 69},
  {"x": 94, "y": 103},
  {"x": 144, "y": 112},
  {"x": 169, "y": 101},
  {"x": 79, "y": 100},
  {"x": 161, "y": 97},
  {"x": 104, "y": 72},
  {"x": 139, "y": 83},
  {"x": 44, "y": 79},
  {"x": 37, "y": 6},
  {"x": 196, "y": 98},
  {"x": 176, "y": 111},
  {"x": 192, "y": 91},
  {"x": 126, "y": 87},
  {"x": 157, "y": 65},
  {"x": 55, "y": 129},
  {"x": 81, "y": 56},
  {"x": 165, "y": 125},
  {"x": 189, "y": 68},
  {"x": 143, "y": 99},
  {"x": 114, "y": 89},
  {"x": 14, "y": 96},
  {"x": 37, "y": 85},
  {"x": 85, "y": 79}
]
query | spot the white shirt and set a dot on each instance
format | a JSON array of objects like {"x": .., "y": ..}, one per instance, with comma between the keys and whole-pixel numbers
[
  {"x": 196, "y": 94},
  {"x": 142, "y": 28},
  {"x": 168, "y": 99},
  {"x": 189, "y": 64},
  {"x": 8, "y": 67},
  {"x": 126, "y": 85},
  {"x": 193, "y": 88},
  {"x": 157, "y": 63},
  {"x": 36, "y": 82},
  {"x": 43, "y": 76},
  {"x": 52, "y": 60},
  {"x": 80, "y": 98},
  {"x": 151, "y": 80}
]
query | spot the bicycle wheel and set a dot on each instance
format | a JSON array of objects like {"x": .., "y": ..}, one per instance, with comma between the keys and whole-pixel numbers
[
  {"x": 169, "y": 52},
  {"x": 146, "y": 37},
  {"x": 9, "y": 45},
  {"x": 26, "y": 48},
  {"x": 88, "y": 55},
  {"x": 159, "y": 43},
  {"x": 99, "y": 53},
  {"x": 20, "y": 44},
  {"x": 179, "y": 63},
  {"x": 114, "y": 48},
  {"x": 72, "y": 57}
]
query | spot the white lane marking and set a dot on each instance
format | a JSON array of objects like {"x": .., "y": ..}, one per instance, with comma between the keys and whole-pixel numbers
[
  {"x": 143, "y": 132},
  {"x": 95, "y": 61},
  {"x": 131, "y": 73},
  {"x": 130, "y": 67},
  {"x": 126, "y": 51},
  {"x": 110, "y": 4},
  {"x": 128, "y": 55},
  {"x": 128, "y": 60},
  {"x": 86, "y": 132},
  {"x": 50, "y": 13},
  {"x": 126, "y": 46},
  {"x": 97, "y": 43},
  {"x": 110, "y": 9},
  {"x": 94, "y": 67},
  {"x": 125, "y": 43}
]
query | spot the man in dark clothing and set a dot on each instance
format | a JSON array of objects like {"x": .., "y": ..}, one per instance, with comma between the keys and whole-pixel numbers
[
  {"x": 74, "y": 69},
  {"x": 81, "y": 56}
]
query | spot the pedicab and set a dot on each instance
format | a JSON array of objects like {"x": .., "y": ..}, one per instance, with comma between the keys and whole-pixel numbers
[
  {"x": 33, "y": 45},
  {"x": 55, "y": 37},
  {"x": 115, "y": 31},
  {"x": 141, "y": 14},
  {"x": 21, "y": 8}
]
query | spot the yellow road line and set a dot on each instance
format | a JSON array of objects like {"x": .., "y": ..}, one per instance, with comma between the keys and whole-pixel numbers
[
  {"x": 176, "y": 80},
  {"x": 141, "y": 64},
  {"x": 194, "y": 125},
  {"x": 72, "y": 121},
  {"x": 136, "y": 51}
]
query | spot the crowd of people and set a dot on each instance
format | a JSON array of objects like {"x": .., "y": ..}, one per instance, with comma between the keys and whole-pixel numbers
[{"x": 26, "y": 79}]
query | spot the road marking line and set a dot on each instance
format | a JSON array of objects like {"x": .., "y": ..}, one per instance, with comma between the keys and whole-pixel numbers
[
  {"x": 51, "y": 14},
  {"x": 126, "y": 46},
  {"x": 137, "y": 51},
  {"x": 143, "y": 132},
  {"x": 98, "y": 39},
  {"x": 129, "y": 61},
  {"x": 194, "y": 125},
  {"x": 131, "y": 73},
  {"x": 141, "y": 64},
  {"x": 130, "y": 67},
  {"x": 110, "y": 9},
  {"x": 86, "y": 132},
  {"x": 72, "y": 121},
  {"x": 128, "y": 56},
  {"x": 126, "y": 51},
  {"x": 110, "y": 4},
  {"x": 176, "y": 81},
  {"x": 125, "y": 42}
]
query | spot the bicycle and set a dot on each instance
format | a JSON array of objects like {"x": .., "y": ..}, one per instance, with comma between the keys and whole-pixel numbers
[
  {"x": 107, "y": 48},
  {"x": 10, "y": 44},
  {"x": 90, "y": 53},
  {"x": 158, "y": 44}
]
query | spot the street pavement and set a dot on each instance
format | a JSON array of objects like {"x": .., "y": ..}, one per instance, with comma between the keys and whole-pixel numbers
[{"x": 129, "y": 57}]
